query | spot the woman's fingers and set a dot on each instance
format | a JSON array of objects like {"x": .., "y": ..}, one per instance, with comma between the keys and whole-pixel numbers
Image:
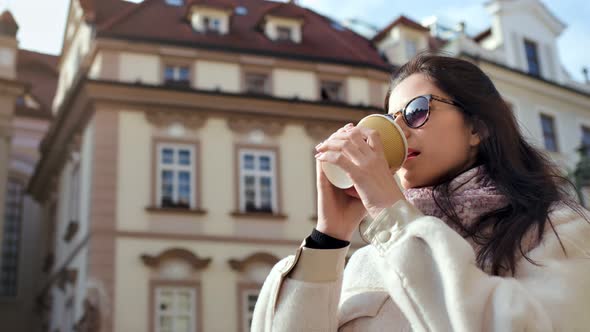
[
  {"x": 340, "y": 159},
  {"x": 344, "y": 146},
  {"x": 372, "y": 137}
]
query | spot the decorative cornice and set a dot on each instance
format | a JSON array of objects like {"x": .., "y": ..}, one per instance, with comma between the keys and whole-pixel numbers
[
  {"x": 244, "y": 125},
  {"x": 163, "y": 119},
  {"x": 195, "y": 261},
  {"x": 259, "y": 257}
]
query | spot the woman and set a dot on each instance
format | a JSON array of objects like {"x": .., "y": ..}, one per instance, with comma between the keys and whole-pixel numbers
[{"x": 484, "y": 236}]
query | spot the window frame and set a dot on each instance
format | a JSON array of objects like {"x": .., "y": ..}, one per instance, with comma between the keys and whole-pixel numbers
[
  {"x": 266, "y": 86},
  {"x": 284, "y": 28},
  {"x": 207, "y": 21},
  {"x": 18, "y": 233},
  {"x": 277, "y": 197},
  {"x": 197, "y": 301},
  {"x": 158, "y": 144},
  {"x": 176, "y": 64},
  {"x": 257, "y": 70},
  {"x": 258, "y": 174},
  {"x": 553, "y": 122},
  {"x": 244, "y": 315},
  {"x": 533, "y": 57}
]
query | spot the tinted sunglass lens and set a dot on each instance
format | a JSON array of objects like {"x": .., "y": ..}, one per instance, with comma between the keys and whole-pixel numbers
[{"x": 416, "y": 112}]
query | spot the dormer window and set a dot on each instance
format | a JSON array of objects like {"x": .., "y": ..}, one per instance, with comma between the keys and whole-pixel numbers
[
  {"x": 212, "y": 24},
  {"x": 284, "y": 24},
  {"x": 284, "y": 33},
  {"x": 206, "y": 19},
  {"x": 532, "y": 57}
]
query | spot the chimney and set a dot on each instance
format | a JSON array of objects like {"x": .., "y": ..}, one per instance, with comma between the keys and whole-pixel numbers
[
  {"x": 8, "y": 26},
  {"x": 8, "y": 45},
  {"x": 585, "y": 73}
]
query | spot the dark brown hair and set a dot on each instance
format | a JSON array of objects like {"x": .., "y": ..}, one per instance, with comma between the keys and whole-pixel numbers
[{"x": 533, "y": 185}]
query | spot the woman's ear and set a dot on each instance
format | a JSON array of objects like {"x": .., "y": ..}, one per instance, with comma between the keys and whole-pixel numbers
[{"x": 479, "y": 132}]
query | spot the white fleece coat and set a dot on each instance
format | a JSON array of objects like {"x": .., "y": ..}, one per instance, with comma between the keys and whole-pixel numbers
[{"x": 420, "y": 275}]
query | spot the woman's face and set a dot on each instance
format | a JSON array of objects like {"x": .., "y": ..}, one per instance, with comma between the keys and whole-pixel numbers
[{"x": 447, "y": 144}]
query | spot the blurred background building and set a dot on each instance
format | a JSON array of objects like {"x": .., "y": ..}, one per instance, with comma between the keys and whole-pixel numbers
[{"x": 155, "y": 171}]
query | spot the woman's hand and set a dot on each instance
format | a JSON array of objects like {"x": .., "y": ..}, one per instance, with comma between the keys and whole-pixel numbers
[
  {"x": 358, "y": 151},
  {"x": 339, "y": 214}
]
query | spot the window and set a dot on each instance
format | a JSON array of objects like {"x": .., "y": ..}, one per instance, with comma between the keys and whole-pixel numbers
[
  {"x": 212, "y": 24},
  {"x": 175, "y": 176},
  {"x": 532, "y": 58},
  {"x": 586, "y": 141},
  {"x": 11, "y": 238},
  {"x": 175, "y": 309},
  {"x": 411, "y": 48},
  {"x": 248, "y": 298},
  {"x": 257, "y": 181},
  {"x": 175, "y": 2},
  {"x": 257, "y": 83},
  {"x": 177, "y": 75},
  {"x": 284, "y": 33},
  {"x": 331, "y": 91},
  {"x": 549, "y": 135}
]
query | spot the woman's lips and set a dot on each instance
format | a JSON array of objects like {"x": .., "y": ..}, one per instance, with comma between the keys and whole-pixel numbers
[{"x": 413, "y": 153}]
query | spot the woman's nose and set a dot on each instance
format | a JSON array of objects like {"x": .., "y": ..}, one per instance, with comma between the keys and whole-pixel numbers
[{"x": 399, "y": 120}]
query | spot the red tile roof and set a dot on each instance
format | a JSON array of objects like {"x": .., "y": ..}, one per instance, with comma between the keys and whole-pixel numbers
[
  {"x": 39, "y": 71},
  {"x": 101, "y": 10},
  {"x": 155, "y": 21},
  {"x": 8, "y": 25},
  {"x": 402, "y": 20},
  {"x": 221, "y": 4},
  {"x": 287, "y": 10}
]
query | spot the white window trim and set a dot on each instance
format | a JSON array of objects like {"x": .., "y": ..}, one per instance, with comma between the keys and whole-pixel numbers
[
  {"x": 175, "y": 168},
  {"x": 175, "y": 289},
  {"x": 257, "y": 173},
  {"x": 246, "y": 314}
]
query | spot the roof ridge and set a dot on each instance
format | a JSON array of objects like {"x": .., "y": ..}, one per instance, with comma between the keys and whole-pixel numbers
[{"x": 338, "y": 35}]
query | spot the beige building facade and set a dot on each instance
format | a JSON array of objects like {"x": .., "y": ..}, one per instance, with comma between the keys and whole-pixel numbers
[
  {"x": 179, "y": 166},
  {"x": 175, "y": 175}
]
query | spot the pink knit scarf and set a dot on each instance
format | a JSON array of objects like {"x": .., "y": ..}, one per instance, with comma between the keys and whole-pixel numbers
[{"x": 473, "y": 193}]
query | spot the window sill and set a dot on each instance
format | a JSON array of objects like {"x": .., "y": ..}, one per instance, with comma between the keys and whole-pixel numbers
[
  {"x": 259, "y": 215},
  {"x": 156, "y": 209}
]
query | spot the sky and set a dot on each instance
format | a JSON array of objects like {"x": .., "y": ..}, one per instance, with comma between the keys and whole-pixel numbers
[{"x": 42, "y": 21}]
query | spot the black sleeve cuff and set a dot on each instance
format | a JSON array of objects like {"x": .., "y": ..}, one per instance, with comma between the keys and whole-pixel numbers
[{"x": 319, "y": 240}]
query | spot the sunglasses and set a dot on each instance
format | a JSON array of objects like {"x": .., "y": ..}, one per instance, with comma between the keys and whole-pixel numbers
[{"x": 417, "y": 111}]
